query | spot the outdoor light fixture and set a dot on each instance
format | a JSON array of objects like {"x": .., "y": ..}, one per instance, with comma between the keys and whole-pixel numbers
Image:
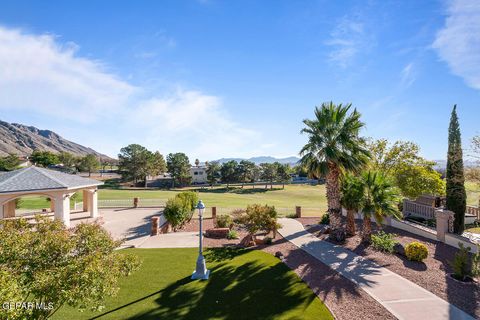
[{"x": 201, "y": 271}]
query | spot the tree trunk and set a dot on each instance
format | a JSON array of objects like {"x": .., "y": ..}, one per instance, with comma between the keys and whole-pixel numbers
[
  {"x": 367, "y": 229},
  {"x": 333, "y": 196},
  {"x": 350, "y": 223},
  {"x": 145, "y": 182}
]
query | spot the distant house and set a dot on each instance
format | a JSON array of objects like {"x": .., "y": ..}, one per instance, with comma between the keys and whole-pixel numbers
[{"x": 198, "y": 174}]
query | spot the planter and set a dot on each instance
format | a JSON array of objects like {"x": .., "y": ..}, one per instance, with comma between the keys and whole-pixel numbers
[
  {"x": 217, "y": 233},
  {"x": 468, "y": 280}
]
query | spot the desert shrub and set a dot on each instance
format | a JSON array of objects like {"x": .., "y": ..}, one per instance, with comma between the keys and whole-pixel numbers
[
  {"x": 176, "y": 213},
  {"x": 416, "y": 251},
  {"x": 260, "y": 218},
  {"x": 291, "y": 215},
  {"x": 237, "y": 215},
  {"x": 460, "y": 265},
  {"x": 232, "y": 234},
  {"x": 383, "y": 241},
  {"x": 325, "y": 219},
  {"x": 224, "y": 221}
]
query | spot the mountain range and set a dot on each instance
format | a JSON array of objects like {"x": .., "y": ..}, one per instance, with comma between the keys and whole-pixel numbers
[
  {"x": 263, "y": 159},
  {"x": 23, "y": 140}
]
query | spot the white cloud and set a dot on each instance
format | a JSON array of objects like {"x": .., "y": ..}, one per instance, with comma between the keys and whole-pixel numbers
[
  {"x": 40, "y": 76},
  {"x": 408, "y": 75},
  {"x": 458, "y": 42},
  {"x": 348, "y": 39}
]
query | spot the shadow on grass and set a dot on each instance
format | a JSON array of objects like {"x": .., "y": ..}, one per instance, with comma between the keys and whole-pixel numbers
[
  {"x": 245, "y": 290},
  {"x": 236, "y": 190}
]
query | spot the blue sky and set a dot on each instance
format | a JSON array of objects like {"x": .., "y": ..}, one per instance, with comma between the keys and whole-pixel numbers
[{"x": 235, "y": 78}]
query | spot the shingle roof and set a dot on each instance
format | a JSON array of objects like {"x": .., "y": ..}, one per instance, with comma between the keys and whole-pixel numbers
[{"x": 34, "y": 178}]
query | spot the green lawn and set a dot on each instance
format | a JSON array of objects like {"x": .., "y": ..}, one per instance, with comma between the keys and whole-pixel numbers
[
  {"x": 244, "y": 284},
  {"x": 306, "y": 196}
]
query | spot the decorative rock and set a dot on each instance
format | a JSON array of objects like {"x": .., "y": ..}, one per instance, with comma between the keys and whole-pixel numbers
[
  {"x": 217, "y": 232},
  {"x": 279, "y": 255},
  {"x": 399, "y": 249}
]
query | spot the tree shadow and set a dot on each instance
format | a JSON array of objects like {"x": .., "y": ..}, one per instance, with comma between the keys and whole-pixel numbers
[
  {"x": 237, "y": 190},
  {"x": 232, "y": 292}
]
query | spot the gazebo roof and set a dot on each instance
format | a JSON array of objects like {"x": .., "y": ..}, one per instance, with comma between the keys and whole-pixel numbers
[{"x": 35, "y": 179}]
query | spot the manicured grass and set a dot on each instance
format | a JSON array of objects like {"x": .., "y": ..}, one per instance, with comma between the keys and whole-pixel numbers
[
  {"x": 244, "y": 284},
  {"x": 306, "y": 196},
  {"x": 473, "y": 230}
]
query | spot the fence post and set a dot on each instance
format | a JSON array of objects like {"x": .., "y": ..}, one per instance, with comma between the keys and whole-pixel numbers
[
  {"x": 298, "y": 211},
  {"x": 155, "y": 221},
  {"x": 214, "y": 213},
  {"x": 135, "y": 202},
  {"x": 444, "y": 221}
]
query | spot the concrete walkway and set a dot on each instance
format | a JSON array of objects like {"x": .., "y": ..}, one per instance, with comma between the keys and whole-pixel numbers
[
  {"x": 403, "y": 298},
  {"x": 171, "y": 240}
]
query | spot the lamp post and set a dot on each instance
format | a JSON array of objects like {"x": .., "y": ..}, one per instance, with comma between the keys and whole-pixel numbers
[{"x": 201, "y": 271}]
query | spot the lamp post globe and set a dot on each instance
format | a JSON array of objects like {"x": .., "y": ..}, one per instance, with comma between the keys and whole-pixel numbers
[{"x": 201, "y": 271}]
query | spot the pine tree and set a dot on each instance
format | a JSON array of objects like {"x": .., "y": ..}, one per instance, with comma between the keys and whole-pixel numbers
[{"x": 456, "y": 195}]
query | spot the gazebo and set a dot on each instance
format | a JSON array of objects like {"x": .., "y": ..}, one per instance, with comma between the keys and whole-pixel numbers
[{"x": 56, "y": 185}]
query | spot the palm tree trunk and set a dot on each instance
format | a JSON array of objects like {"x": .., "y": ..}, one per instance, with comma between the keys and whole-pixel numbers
[
  {"x": 367, "y": 229},
  {"x": 350, "y": 223},
  {"x": 333, "y": 196}
]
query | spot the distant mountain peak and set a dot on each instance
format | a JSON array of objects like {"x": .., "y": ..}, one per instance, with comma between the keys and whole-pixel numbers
[
  {"x": 22, "y": 140},
  {"x": 263, "y": 159}
]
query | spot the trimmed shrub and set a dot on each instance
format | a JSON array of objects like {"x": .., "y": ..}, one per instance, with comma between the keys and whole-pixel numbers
[
  {"x": 460, "y": 264},
  {"x": 189, "y": 199},
  {"x": 232, "y": 234},
  {"x": 176, "y": 213},
  {"x": 325, "y": 219},
  {"x": 416, "y": 251},
  {"x": 260, "y": 218},
  {"x": 224, "y": 221},
  {"x": 384, "y": 242}
]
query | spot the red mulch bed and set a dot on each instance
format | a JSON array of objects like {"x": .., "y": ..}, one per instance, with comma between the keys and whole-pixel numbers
[
  {"x": 431, "y": 274},
  {"x": 344, "y": 298}
]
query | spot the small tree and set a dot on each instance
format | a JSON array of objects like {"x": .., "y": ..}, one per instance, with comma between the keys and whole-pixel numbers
[
  {"x": 283, "y": 173},
  {"x": 67, "y": 159},
  {"x": 9, "y": 163},
  {"x": 456, "y": 195},
  {"x": 352, "y": 198},
  {"x": 48, "y": 264},
  {"x": 178, "y": 165},
  {"x": 44, "y": 158},
  {"x": 89, "y": 163},
  {"x": 259, "y": 218},
  {"x": 269, "y": 173},
  {"x": 213, "y": 172},
  {"x": 229, "y": 172}
]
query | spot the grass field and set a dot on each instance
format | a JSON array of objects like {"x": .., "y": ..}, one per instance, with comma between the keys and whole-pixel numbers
[
  {"x": 243, "y": 284},
  {"x": 311, "y": 198}
]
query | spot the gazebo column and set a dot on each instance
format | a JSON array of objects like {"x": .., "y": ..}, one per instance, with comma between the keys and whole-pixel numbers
[
  {"x": 9, "y": 209},
  {"x": 92, "y": 197},
  {"x": 85, "y": 200},
  {"x": 62, "y": 208},
  {"x": 1, "y": 211}
]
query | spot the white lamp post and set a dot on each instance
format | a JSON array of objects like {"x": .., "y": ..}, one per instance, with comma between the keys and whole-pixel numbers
[{"x": 201, "y": 271}]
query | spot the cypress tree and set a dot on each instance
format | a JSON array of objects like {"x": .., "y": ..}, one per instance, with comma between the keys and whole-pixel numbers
[{"x": 456, "y": 195}]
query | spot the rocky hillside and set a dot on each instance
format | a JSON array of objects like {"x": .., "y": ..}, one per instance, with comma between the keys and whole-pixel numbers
[{"x": 22, "y": 140}]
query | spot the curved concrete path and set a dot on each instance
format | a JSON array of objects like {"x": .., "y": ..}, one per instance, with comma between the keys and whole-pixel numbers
[{"x": 401, "y": 297}]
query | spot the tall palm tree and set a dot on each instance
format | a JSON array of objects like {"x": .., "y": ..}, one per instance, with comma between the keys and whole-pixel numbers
[
  {"x": 380, "y": 200},
  {"x": 352, "y": 199},
  {"x": 333, "y": 146}
]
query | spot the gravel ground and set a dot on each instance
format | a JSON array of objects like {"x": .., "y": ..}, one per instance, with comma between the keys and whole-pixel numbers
[
  {"x": 344, "y": 299},
  {"x": 432, "y": 274}
]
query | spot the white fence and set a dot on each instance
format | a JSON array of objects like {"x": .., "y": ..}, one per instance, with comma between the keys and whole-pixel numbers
[{"x": 125, "y": 203}]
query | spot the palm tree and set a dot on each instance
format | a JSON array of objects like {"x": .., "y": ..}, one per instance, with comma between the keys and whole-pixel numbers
[
  {"x": 380, "y": 200},
  {"x": 352, "y": 198},
  {"x": 334, "y": 146}
]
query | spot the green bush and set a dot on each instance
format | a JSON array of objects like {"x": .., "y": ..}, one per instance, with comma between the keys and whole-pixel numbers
[
  {"x": 224, "y": 221},
  {"x": 232, "y": 234},
  {"x": 384, "y": 242},
  {"x": 460, "y": 264},
  {"x": 189, "y": 199},
  {"x": 260, "y": 218},
  {"x": 325, "y": 219},
  {"x": 416, "y": 251},
  {"x": 176, "y": 213},
  {"x": 476, "y": 263},
  {"x": 291, "y": 215}
]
